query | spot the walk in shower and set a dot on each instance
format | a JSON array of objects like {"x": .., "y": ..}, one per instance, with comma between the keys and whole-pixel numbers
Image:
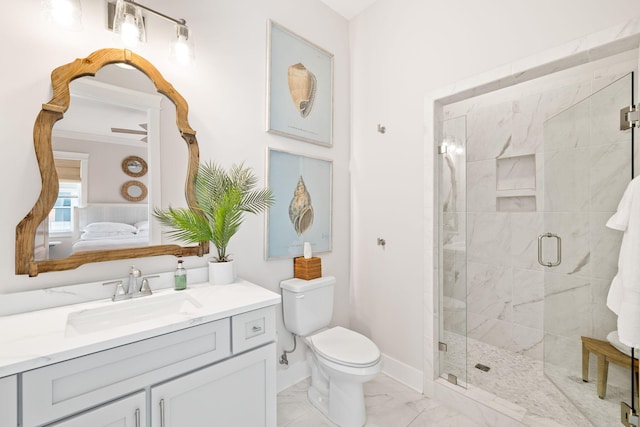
[{"x": 527, "y": 178}]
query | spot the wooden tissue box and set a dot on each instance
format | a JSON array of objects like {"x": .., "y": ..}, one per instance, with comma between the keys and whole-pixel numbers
[{"x": 307, "y": 269}]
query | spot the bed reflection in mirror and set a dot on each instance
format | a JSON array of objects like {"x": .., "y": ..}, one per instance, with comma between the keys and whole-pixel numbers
[{"x": 114, "y": 117}]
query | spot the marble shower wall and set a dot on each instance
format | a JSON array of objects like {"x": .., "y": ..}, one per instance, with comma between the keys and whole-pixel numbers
[{"x": 536, "y": 163}]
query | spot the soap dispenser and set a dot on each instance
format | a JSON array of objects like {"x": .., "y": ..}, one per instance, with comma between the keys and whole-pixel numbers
[{"x": 180, "y": 277}]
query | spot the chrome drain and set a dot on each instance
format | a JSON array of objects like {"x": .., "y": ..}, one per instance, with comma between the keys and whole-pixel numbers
[{"x": 483, "y": 368}]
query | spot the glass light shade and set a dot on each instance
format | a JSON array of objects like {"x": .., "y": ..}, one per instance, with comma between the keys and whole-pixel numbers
[
  {"x": 182, "y": 48},
  {"x": 128, "y": 22},
  {"x": 65, "y": 13}
]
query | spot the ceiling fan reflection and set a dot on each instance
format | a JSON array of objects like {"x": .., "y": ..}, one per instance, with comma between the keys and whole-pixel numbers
[{"x": 133, "y": 131}]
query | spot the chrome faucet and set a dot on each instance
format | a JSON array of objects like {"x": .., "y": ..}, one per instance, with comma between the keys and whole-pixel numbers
[
  {"x": 137, "y": 287},
  {"x": 134, "y": 275}
]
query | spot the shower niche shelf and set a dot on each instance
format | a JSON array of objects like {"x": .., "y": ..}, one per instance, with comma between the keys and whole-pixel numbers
[
  {"x": 516, "y": 184},
  {"x": 516, "y": 204}
]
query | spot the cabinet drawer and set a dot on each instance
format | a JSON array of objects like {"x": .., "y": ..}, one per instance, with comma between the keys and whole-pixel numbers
[
  {"x": 57, "y": 391},
  {"x": 252, "y": 329},
  {"x": 9, "y": 401},
  {"x": 126, "y": 412}
]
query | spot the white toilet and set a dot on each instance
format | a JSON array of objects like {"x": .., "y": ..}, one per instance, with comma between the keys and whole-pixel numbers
[{"x": 341, "y": 360}]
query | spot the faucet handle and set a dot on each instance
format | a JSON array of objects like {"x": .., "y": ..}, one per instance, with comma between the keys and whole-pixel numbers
[
  {"x": 145, "y": 289},
  {"x": 119, "y": 293}
]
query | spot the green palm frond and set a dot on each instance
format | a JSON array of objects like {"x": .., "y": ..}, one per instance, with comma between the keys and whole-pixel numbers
[
  {"x": 223, "y": 198},
  {"x": 257, "y": 201},
  {"x": 184, "y": 224}
]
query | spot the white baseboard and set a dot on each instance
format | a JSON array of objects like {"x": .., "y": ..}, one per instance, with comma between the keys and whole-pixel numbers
[
  {"x": 407, "y": 375},
  {"x": 292, "y": 375}
]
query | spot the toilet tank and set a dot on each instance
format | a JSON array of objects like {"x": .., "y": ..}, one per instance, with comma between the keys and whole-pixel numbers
[{"x": 307, "y": 304}]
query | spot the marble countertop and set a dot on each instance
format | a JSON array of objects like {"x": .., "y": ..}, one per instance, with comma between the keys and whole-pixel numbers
[{"x": 42, "y": 337}]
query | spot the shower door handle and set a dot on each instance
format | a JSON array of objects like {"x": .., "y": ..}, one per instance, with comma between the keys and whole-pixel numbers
[{"x": 558, "y": 252}]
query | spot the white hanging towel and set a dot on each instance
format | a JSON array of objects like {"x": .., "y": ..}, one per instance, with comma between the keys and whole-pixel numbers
[{"x": 624, "y": 294}]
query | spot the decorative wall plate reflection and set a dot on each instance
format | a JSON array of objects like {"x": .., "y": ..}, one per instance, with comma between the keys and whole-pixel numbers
[
  {"x": 134, "y": 191},
  {"x": 134, "y": 166}
]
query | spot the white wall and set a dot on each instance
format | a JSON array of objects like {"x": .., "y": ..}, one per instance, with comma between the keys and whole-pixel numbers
[
  {"x": 402, "y": 50},
  {"x": 226, "y": 95}
]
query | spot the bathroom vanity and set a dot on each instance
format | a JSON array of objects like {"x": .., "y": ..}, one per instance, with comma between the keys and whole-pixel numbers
[{"x": 200, "y": 357}]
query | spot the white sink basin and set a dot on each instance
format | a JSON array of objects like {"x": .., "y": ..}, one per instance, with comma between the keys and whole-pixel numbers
[{"x": 121, "y": 313}]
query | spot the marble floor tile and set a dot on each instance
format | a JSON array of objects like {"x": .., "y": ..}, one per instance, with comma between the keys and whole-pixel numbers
[
  {"x": 293, "y": 405},
  {"x": 389, "y": 404},
  {"x": 441, "y": 416},
  {"x": 547, "y": 397}
]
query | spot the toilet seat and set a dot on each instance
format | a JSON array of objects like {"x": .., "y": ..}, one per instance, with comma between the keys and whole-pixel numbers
[{"x": 345, "y": 347}]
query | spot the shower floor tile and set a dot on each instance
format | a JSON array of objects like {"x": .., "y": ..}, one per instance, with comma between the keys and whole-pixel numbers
[{"x": 522, "y": 381}]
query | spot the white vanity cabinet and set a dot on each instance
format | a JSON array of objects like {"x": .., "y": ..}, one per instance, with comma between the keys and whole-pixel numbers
[
  {"x": 9, "y": 401},
  {"x": 216, "y": 373}
]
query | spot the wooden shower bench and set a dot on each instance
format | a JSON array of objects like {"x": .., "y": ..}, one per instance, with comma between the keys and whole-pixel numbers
[{"x": 605, "y": 353}]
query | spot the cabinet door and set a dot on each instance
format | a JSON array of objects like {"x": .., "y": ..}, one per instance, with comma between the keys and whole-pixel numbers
[
  {"x": 8, "y": 401},
  {"x": 127, "y": 412},
  {"x": 240, "y": 391}
]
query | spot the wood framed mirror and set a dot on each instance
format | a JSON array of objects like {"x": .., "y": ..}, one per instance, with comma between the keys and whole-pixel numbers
[{"x": 33, "y": 231}]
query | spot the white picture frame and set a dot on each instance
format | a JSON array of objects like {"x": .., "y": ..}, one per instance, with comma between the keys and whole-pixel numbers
[
  {"x": 303, "y": 190},
  {"x": 299, "y": 87}
]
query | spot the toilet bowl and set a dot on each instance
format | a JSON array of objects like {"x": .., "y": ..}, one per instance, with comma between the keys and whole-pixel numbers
[{"x": 341, "y": 360}]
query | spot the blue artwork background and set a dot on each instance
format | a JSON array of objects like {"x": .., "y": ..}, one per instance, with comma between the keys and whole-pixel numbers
[
  {"x": 284, "y": 171},
  {"x": 286, "y": 49}
]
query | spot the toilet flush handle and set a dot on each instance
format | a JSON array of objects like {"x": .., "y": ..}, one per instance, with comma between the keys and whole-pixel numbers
[{"x": 299, "y": 296}]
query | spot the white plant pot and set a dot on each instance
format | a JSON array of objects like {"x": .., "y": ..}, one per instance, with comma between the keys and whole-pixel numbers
[{"x": 222, "y": 273}]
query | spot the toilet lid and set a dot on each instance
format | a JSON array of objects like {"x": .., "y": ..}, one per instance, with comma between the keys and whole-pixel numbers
[{"x": 345, "y": 347}]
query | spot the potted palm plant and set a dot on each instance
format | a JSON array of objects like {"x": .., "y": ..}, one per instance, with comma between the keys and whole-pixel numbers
[{"x": 223, "y": 198}]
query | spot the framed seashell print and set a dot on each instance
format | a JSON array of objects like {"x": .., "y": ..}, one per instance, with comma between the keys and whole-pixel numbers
[
  {"x": 299, "y": 88},
  {"x": 302, "y": 212}
]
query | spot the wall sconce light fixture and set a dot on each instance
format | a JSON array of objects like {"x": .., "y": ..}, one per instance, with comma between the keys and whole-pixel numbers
[
  {"x": 182, "y": 49},
  {"x": 65, "y": 13},
  {"x": 127, "y": 21},
  {"x": 125, "y": 18}
]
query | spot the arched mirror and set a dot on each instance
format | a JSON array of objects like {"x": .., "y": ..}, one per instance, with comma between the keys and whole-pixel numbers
[{"x": 114, "y": 128}]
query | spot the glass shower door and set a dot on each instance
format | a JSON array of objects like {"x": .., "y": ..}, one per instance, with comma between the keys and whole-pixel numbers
[
  {"x": 587, "y": 166},
  {"x": 452, "y": 254}
]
